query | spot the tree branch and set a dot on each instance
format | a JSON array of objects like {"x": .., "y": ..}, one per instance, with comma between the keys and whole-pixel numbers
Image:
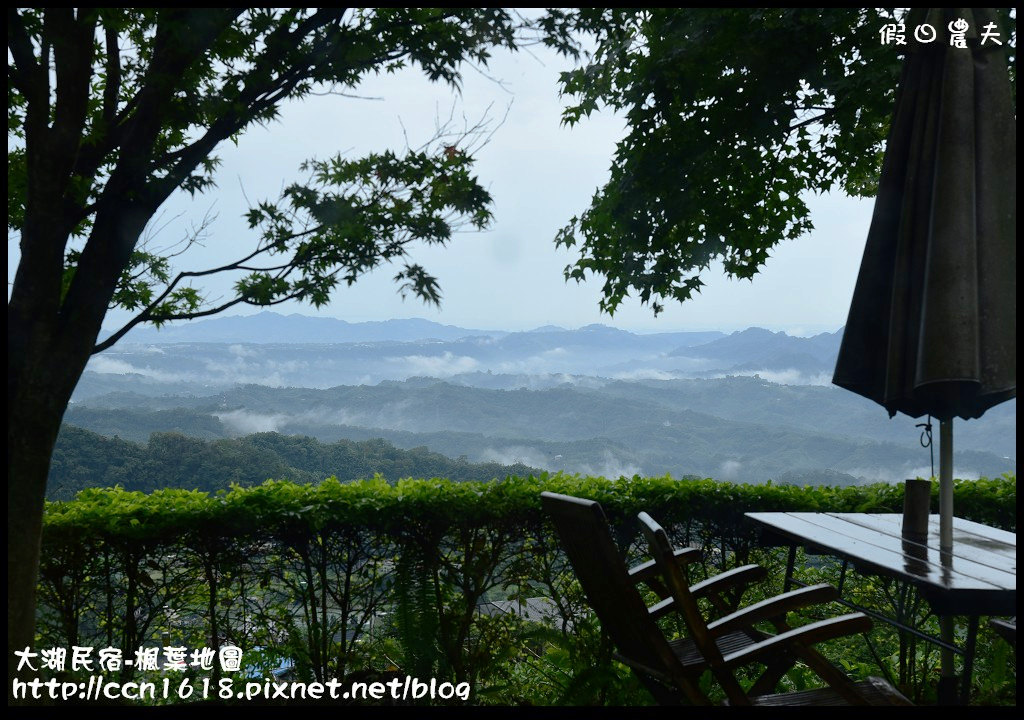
[
  {"x": 25, "y": 72},
  {"x": 112, "y": 88},
  {"x": 143, "y": 317},
  {"x": 258, "y": 99},
  {"x": 170, "y": 59},
  {"x": 255, "y": 98},
  {"x": 147, "y": 314},
  {"x": 73, "y": 56},
  {"x": 810, "y": 121},
  {"x": 149, "y": 317},
  {"x": 126, "y": 200}
]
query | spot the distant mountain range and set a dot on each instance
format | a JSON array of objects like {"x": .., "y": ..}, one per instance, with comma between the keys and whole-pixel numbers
[
  {"x": 746, "y": 406},
  {"x": 743, "y": 429},
  {"x": 272, "y": 327},
  {"x": 295, "y": 350},
  {"x": 760, "y": 349}
]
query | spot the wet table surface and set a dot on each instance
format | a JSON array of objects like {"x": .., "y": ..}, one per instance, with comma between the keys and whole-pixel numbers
[{"x": 979, "y": 577}]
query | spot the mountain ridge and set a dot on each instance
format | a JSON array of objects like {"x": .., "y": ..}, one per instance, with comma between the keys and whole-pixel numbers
[
  {"x": 621, "y": 428},
  {"x": 271, "y": 327}
]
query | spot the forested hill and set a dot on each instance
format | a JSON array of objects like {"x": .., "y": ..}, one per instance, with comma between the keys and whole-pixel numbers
[{"x": 84, "y": 459}]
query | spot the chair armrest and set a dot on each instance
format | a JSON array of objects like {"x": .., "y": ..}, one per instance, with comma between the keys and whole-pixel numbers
[
  {"x": 723, "y": 582},
  {"x": 773, "y": 608},
  {"x": 645, "y": 571},
  {"x": 662, "y": 608},
  {"x": 803, "y": 636}
]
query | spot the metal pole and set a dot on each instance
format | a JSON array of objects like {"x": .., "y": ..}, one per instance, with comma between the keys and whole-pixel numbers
[
  {"x": 946, "y": 485},
  {"x": 947, "y": 682}
]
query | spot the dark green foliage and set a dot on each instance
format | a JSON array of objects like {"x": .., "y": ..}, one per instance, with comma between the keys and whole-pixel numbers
[
  {"x": 350, "y": 577},
  {"x": 734, "y": 115},
  {"x": 137, "y": 426},
  {"x": 83, "y": 459},
  {"x": 416, "y": 594}
]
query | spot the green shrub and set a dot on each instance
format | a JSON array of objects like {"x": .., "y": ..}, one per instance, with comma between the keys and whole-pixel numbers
[{"x": 370, "y": 576}]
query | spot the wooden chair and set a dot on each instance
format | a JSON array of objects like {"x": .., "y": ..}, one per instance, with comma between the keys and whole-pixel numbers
[
  {"x": 671, "y": 670},
  {"x": 778, "y": 652},
  {"x": 665, "y": 668}
]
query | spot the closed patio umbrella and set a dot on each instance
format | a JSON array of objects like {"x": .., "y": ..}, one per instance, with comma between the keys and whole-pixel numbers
[{"x": 932, "y": 323}]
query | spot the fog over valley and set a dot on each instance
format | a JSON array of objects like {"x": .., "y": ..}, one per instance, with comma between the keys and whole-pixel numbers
[{"x": 748, "y": 406}]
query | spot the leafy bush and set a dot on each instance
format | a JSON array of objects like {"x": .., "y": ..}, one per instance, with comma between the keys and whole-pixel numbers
[{"x": 344, "y": 579}]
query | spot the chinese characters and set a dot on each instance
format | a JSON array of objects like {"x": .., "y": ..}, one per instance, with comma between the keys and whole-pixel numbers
[{"x": 925, "y": 34}]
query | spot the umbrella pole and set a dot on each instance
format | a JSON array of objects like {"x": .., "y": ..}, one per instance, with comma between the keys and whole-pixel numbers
[
  {"x": 946, "y": 485},
  {"x": 947, "y": 683}
]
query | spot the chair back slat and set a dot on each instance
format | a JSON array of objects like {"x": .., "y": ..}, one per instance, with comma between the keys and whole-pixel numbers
[
  {"x": 676, "y": 579},
  {"x": 586, "y": 539}
]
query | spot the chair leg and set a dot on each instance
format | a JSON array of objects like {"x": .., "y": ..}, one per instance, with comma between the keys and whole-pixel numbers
[
  {"x": 836, "y": 678},
  {"x": 772, "y": 675}
]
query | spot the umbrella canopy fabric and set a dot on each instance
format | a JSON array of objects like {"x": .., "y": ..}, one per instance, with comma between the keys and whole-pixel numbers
[{"x": 932, "y": 327}]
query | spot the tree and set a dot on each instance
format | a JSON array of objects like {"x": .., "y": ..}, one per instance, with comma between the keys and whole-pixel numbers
[
  {"x": 110, "y": 111},
  {"x": 734, "y": 115}
]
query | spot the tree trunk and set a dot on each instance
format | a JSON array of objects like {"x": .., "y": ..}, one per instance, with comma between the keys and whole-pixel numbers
[
  {"x": 33, "y": 422},
  {"x": 50, "y": 338},
  {"x": 46, "y": 355}
]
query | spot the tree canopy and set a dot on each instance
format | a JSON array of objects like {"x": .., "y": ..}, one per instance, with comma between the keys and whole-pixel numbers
[
  {"x": 734, "y": 115},
  {"x": 111, "y": 110},
  {"x": 141, "y": 99}
]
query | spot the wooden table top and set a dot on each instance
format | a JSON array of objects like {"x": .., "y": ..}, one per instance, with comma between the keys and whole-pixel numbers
[{"x": 978, "y": 578}]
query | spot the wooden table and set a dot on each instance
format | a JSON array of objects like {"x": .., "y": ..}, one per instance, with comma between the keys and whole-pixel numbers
[{"x": 979, "y": 577}]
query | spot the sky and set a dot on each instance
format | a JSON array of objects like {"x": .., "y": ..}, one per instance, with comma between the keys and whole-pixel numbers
[{"x": 540, "y": 174}]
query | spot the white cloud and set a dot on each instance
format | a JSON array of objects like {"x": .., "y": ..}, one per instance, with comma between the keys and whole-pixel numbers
[
  {"x": 243, "y": 422},
  {"x": 515, "y": 454},
  {"x": 730, "y": 470},
  {"x": 791, "y": 376},
  {"x": 104, "y": 364},
  {"x": 243, "y": 351},
  {"x": 272, "y": 373},
  {"x": 442, "y": 365},
  {"x": 112, "y": 366},
  {"x": 645, "y": 374},
  {"x": 611, "y": 467},
  {"x": 898, "y": 475}
]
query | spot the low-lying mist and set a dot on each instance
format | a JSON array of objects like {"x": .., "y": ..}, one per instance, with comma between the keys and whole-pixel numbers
[{"x": 746, "y": 407}]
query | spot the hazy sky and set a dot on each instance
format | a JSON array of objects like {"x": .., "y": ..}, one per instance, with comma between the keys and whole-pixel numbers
[{"x": 540, "y": 174}]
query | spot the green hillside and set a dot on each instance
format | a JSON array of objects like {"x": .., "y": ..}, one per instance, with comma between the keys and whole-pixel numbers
[{"x": 170, "y": 459}]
